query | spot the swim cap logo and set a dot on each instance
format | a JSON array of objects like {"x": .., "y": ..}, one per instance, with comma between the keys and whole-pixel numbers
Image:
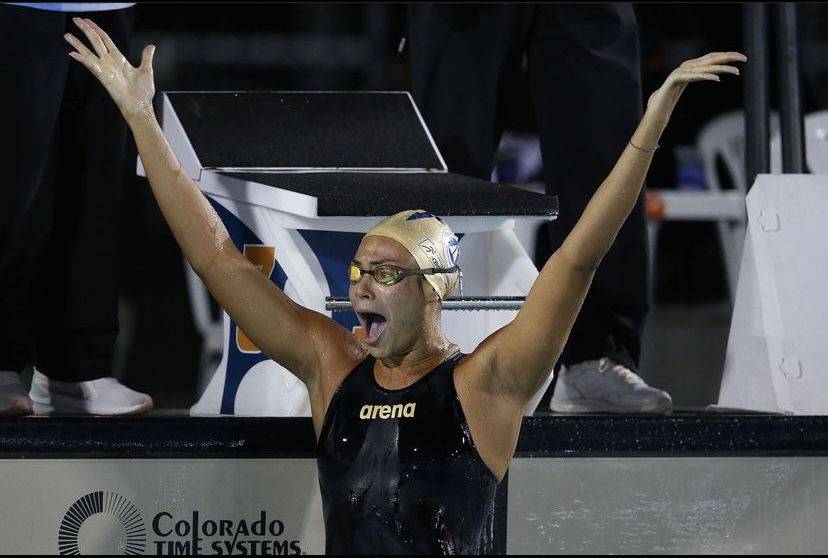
[
  {"x": 420, "y": 215},
  {"x": 430, "y": 251},
  {"x": 387, "y": 411},
  {"x": 452, "y": 247},
  {"x": 102, "y": 523}
]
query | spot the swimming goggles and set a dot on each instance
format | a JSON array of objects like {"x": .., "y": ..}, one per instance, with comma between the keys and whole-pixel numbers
[{"x": 388, "y": 275}]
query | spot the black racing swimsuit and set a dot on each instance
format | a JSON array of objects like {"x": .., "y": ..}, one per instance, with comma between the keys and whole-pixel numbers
[{"x": 398, "y": 470}]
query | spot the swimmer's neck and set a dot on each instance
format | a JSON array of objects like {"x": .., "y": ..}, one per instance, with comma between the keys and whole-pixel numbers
[{"x": 423, "y": 356}]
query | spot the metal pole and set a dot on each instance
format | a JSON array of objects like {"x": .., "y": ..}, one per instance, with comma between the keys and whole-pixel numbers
[
  {"x": 790, "y": 91},
  {"x": 757, "y": 125}
]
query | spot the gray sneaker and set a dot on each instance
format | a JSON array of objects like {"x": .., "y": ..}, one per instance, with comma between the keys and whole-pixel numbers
[
  {"x": 604, "y": 386},
  {"x": 13, "y": 398},
  {"x": 104, "y": 396}
]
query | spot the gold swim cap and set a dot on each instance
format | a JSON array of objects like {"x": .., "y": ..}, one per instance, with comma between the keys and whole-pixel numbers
[{"x": 429, "y": 240}]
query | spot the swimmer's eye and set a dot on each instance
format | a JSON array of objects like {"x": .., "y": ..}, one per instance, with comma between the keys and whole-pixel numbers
[
  {"x": 383, "y": 274},
  {"x": 387, "y": 275}
]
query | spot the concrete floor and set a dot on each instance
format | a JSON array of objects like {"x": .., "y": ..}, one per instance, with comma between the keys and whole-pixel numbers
[{"x": 683, "y": 351}]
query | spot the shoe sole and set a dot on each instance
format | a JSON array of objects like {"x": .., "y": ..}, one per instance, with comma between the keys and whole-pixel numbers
[
  {"x": 21, "y": 407},
  {"x": 595, "y": 406},
  {"x": 61, "y": 405}
]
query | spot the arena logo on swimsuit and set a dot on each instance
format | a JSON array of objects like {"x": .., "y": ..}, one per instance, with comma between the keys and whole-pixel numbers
[{"x": 387, "y": 411}]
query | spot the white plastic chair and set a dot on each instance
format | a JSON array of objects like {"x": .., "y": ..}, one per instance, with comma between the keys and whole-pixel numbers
[
  {"x": 725, "y": 137},
  {"x": 816, "y": 144}
]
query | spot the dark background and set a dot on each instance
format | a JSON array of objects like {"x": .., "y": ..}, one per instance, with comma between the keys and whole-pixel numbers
[{"x": 310, "y": 46}]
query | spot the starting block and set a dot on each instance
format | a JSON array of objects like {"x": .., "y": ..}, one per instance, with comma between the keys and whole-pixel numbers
[{"x": 298, "y": 178}]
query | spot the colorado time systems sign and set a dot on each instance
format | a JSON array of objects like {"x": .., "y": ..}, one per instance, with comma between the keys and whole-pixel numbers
[{"x": 105, "y": 522}]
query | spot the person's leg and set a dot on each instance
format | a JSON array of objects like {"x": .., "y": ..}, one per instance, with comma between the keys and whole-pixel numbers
[
  {"x": 31, "y": 88},
  {"x": 463, "y": 60},
  {"x": 586, "y": 88},
  {"x": 77, "y": 314}
]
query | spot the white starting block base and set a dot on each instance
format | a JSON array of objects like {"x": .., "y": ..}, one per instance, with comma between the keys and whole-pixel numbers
[
  {"x": 493, "y": 259},
  {"x": 778, "y": 348}
]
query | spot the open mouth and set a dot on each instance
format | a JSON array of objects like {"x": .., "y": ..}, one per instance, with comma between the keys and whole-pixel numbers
[{"x": 374, "y": 326}]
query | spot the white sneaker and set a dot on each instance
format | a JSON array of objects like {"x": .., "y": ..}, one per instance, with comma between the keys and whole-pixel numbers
[
  {"x": 13, "y": 398},
  {"x": 105, "y": 396},
  {"x": 604, "y": 386}
]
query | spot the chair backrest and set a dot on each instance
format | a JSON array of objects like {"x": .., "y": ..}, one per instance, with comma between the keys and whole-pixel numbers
[
  {"x": 816, "y": 144},
  {"x": 816, "y": 141},
  {"x": 724, "y": 136}
]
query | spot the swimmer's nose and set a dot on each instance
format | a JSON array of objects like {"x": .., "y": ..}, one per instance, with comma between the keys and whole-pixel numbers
[{"x": 363, "y": 288}]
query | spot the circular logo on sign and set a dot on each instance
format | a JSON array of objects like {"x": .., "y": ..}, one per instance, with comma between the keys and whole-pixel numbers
[{"x": 102, "y": 523}]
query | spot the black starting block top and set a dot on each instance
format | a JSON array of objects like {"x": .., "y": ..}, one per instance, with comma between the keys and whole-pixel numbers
[
  {"x": 359, "y": 153},
  {"x": 375, "y": 194}
]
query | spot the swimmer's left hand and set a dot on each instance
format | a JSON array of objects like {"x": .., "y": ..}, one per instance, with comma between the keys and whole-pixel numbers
[
  {"x": 704, "y": 68},
  {"x": 131, "y": 88}
]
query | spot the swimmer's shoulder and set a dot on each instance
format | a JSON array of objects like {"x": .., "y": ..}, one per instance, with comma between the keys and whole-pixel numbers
[{"x": 336, "y": 349}]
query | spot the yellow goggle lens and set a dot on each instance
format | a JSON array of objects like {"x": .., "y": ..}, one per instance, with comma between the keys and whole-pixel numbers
[{"x": 386, "y": 275}]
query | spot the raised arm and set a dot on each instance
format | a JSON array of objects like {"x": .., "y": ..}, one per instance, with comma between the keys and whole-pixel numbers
[
  {"x": 288, "y": 333},
  {"x": 522, "y": 353}
]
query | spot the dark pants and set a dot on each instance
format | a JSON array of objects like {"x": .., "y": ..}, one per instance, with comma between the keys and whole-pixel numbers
[
  {"x": 61, "y": 163},
  {"x": 585, "y": 87}
]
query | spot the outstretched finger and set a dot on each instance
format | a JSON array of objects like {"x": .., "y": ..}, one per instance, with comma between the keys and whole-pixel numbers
[
  {"x": 725, "y": 57},
  {"x": 688, "y": 77},
  {"x": 79, "y": 46},
  {"x": 719, "y": 57},
  {"x": 92, "y": 35},
  {"x": 104, "y": 36},
  {"x": 716, "y": 68},
  {"x": 88, "y": 62}
]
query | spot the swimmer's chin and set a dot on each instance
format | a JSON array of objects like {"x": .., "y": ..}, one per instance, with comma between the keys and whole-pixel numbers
[{"x": 377, "y": 349}]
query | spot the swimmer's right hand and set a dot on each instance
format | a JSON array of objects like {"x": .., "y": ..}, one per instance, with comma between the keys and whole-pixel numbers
[{"x": 131, "y": 88}]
